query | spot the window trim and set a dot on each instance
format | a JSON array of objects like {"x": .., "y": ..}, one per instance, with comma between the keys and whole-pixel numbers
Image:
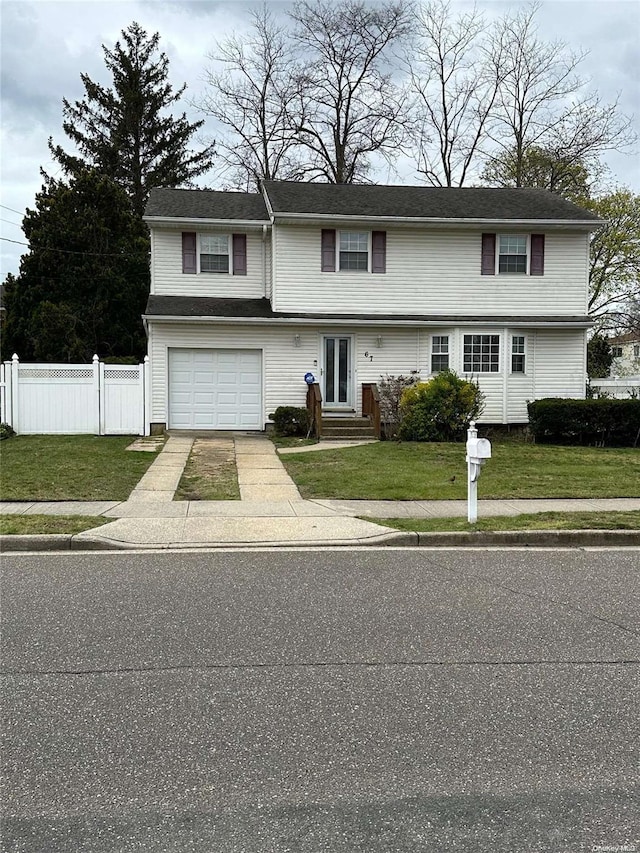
[
  {"x": 432, "y": 353},
  {"x": 527, "y": 236},
  {"x": 524, "y": 355},
  {"x": 200, "y": 235},
  {"x": 339, "y": 233},
  {"x": 473, "y": 371}
]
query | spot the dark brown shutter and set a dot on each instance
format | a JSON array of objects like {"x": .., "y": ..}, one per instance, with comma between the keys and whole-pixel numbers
[
  {"x": 537, "y": 254},
  {"x": 239, "y": 254},
  {"x": 328, "y": 250},
  {"x": 189, "y": 252},
  {"x": 378, "y": 251},
  {"x": 488, "y": 265}
]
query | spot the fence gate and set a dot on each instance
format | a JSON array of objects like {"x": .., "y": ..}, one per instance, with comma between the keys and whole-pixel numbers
[{"x": 96, "y": 398}]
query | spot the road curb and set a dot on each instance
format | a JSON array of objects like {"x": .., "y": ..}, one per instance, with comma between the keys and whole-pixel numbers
[{"x": 507, "y": 538}]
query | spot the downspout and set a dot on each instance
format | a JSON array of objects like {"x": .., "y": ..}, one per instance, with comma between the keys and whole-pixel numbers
[{"x": 264, "y": 259}]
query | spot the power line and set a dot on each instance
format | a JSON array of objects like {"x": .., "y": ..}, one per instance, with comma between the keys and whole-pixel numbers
[
  {"x": 19, "y": 212},
  {"x": 9, "y": 222},
  {"x": 71, "y": 252}
]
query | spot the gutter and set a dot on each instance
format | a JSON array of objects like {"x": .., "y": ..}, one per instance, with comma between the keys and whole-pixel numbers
[
  {"x": 442, "y": 221},
  {"x": 373, "y": 321}
]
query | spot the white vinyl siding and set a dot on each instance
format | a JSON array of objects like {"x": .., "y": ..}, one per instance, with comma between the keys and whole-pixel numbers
[
  {"x": 560, "y": 368},
  {"x": 429, "y": 272},
  {"x": 167, "y": 278}
]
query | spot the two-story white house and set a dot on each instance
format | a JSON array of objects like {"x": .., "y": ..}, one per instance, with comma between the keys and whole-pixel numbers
[{"x": 251, "y": 291}]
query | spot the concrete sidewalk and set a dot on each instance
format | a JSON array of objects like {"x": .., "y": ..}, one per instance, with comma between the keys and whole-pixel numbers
[{"x": 270, "y": 512}]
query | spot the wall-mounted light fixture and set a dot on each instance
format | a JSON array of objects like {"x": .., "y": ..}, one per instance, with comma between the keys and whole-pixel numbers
[
  {"x": 296, "y": 340},
  {"x": 379, "y": 341}
]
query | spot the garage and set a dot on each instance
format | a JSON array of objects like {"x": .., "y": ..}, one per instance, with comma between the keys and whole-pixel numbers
[{"x": 215, "y": 389}]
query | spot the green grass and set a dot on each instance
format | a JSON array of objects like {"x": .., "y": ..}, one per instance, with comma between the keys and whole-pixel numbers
[
  {"x": 69, "y": 467},
  {"x": 534, "y": 521},
  {"x": 209, "y": 475},
  {"x": 429, "y": 471},
  {"x": 36, "y": 524}
]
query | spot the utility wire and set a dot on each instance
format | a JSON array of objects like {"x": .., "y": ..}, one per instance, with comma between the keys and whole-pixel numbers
[
  {"x": 9, "y": 222},
  {"x": 19, "y": 212},
  {"x": 71, "y": 252}
]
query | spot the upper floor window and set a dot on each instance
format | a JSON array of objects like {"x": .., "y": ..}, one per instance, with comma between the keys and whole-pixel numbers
[
  {"x": 439, "y": 353},
  {"x": 363, "y": 251},
  {"x": 616, "y": 352},
  {"x": 512, "y": 253},
  {"x": 508, "y": 254},
  {"x": 214, "y": 253},
  {"x": 354, "y": 250},
  {"x": 518, "y": 354},
  {"x": 481, "y": 353}
]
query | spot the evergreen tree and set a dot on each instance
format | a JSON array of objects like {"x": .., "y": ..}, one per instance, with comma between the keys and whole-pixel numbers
[
  {"x": 124, "y": 131},
  {"x": 83, "y": 285},
  {"x": 599, "y": 357}
]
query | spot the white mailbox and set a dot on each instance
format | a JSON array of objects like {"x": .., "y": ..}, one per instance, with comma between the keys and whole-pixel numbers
[{"x": 478, "y": 451}]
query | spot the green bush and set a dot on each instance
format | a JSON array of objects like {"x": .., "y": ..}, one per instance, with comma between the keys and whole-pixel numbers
[
  {"x": 291, "y": 420},
  {"x": 6, "y": 431},
  {"x": 602, "y": 422},
  {"x": 440, "y": 409}
]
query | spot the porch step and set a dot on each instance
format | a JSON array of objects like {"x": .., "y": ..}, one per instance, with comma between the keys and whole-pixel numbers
[{"x": 346, "y": 428}]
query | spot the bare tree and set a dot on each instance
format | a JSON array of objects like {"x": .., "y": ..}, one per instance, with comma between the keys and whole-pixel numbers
[
  {"x": 249, "y": 97},
  {"x": 347, "y": 106},
  {"x": 455, "y": 79},
  {"x": 542, "y": 102}
]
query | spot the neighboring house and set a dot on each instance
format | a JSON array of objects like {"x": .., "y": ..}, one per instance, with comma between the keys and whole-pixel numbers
[
  {"x": 626, "y": 354},
  {"x": 249, "y": 292}
]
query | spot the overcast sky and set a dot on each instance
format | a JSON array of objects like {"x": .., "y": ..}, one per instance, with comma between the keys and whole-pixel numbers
[{"x": 47, "y": 44}]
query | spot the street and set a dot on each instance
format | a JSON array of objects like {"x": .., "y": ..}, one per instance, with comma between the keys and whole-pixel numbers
[{"x": 332, "y": 700}]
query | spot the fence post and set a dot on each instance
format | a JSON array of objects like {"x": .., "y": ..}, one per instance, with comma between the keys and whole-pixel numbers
[
  {"x": 15, "y": 419},
  {"x": 146, "y": 397},
  {"x": 96, "y": 386}
]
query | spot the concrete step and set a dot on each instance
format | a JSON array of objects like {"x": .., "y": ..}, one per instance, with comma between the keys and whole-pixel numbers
[
  {"x": 347, "y": 432},
  {"x": 329, "y": 421}
]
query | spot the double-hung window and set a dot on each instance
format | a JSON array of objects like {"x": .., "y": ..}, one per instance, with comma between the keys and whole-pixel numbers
[
  {"x": 616, "y": 352},
  {"x": 518, "y": 354},
  {"x": 354, "y": 250},
  {"x": 481, "y": 353},
  {"x": 512, "y": 253},
  {"x": 636, "y": 350},
  {"x": 439, "y": 353},
  {"x": 214, "y": 253}
]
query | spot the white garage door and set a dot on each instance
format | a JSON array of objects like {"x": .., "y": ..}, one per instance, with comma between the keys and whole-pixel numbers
[{"x": 215, "y": 389}]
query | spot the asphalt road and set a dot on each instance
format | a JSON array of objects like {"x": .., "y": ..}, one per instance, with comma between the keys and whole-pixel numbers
[{"x": 356, "y": 700}]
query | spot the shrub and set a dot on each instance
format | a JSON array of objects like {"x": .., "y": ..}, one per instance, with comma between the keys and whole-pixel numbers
[
  {"x": 291, "y": 420},
  {"x": 391, "y": 389},
  {"x": 602, "y": 422},
  {"x": 6, "y": 431},
  {"x": 440, "y": 409}
]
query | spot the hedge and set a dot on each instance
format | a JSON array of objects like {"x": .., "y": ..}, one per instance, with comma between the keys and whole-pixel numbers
[{"x": 604, "y": 422}]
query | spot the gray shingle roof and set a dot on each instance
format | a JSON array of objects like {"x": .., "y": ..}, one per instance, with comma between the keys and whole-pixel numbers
[
  {"x": 206, "y": 204},
  {"x": 208, "y": 306},
  {"x": 421, "y": 202}
]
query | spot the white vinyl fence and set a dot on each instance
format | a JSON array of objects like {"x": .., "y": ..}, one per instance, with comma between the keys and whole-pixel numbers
[
  {"x": 622, "y": 388},
  {"x": 96, "y": 398}
]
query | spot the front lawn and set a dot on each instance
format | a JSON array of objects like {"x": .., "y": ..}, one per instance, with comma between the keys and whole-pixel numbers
[
  {"x": 70, "y": 467},
  {"x": 533, "y": 521},
  {"x": 37, "y": 524},
  {"x": 427, "y": 471}
]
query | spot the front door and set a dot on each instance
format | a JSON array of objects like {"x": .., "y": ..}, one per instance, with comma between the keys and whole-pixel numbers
[{"x": 337, "y": 392}]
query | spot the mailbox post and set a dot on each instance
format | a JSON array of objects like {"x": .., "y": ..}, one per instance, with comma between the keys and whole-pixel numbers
[{"x": 478, "y": 451}]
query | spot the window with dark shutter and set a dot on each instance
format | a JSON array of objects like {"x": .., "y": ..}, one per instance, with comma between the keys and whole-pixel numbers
[
  {"x": 537, "y": 254},
  {"x": 239, "y": 254},
  {"x": 189, "y": 252},
  {"x": 378, "y": 251},
  {"x": 488, "y": 263},
  {"x": 328, "y": 250}
]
